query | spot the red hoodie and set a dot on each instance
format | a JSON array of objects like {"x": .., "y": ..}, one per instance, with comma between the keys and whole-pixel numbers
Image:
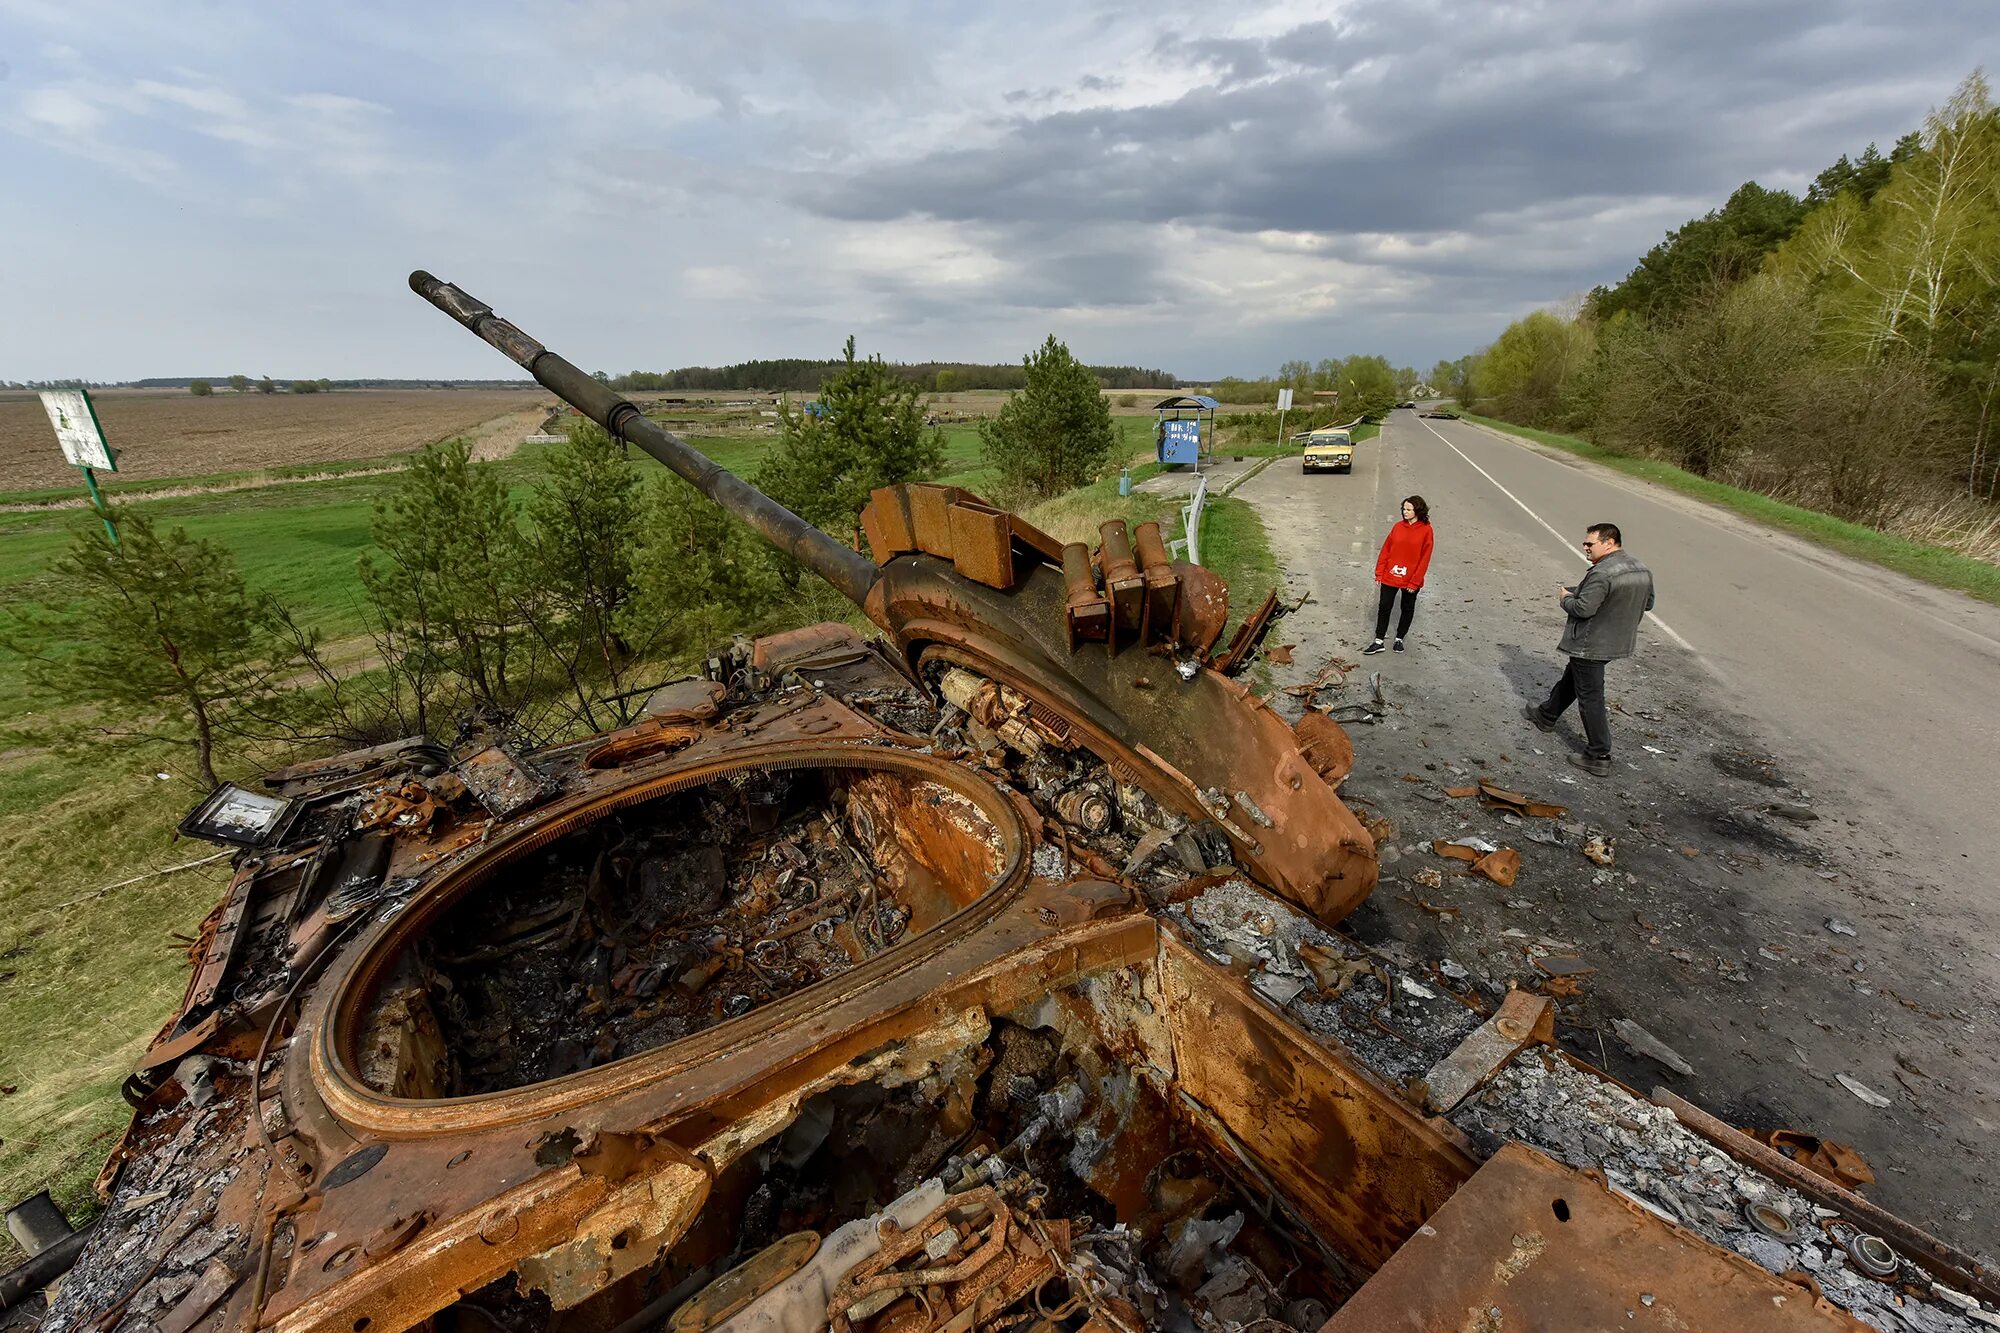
[{"x": 1406, "y": 554}]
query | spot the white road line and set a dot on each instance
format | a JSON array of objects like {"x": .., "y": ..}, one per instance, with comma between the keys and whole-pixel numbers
[
  {"x": 1814, "y": 558},
  {"x": 1672, "y": 633}
]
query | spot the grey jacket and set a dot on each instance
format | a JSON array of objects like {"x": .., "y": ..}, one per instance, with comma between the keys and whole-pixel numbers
[{"x": 1605, "y": 609}]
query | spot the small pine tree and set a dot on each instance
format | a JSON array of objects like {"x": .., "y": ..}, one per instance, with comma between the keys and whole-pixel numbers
[
  {"x": 1056, "y": 432},
  {"x": 866, "y": 430},
  {"x": 161, "y": 626},
  {"x": 583, "y": 527},
  {"x": 696, "y": 574},
  {"x": 447, "y": 592}
]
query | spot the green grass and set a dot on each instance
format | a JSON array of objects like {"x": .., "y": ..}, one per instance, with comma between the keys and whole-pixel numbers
[
  {"x": 1934, "y": 565},
  {"x": 1234, "y": 545}
]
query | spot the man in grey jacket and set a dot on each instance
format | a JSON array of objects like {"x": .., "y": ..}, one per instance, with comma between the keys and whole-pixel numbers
[{"x": 1604, "y": 612}]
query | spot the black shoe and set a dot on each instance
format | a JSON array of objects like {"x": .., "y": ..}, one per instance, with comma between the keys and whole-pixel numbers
[
  {"x": 1535, "y": 715},
  {"x": 1597, "y": 768},
  {"x": 1374, "y": 647},
  {"x": 1399, "y": 645}
]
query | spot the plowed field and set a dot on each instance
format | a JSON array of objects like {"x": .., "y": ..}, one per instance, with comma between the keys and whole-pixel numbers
[{"x": 160, "y": 436}]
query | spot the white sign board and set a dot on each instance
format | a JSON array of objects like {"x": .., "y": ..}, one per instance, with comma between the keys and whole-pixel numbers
[
  {"x": 76, "y": 426},
  {"x": 1284, "y": 400}
]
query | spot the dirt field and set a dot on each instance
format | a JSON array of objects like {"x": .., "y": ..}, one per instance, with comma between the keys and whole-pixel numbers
[{"x": 166, "y": 435}]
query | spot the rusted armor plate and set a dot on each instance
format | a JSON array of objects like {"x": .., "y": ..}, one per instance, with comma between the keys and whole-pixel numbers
[{"x": 1528, "y": 1243}]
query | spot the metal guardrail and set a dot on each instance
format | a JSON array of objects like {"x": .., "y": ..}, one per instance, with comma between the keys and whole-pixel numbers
[{"x": 1191, "y": 517}]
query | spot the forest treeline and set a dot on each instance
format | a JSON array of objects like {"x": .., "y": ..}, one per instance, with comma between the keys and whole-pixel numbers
[
  {"x": 799, "y": 374},
  {"x": 1839, "y": 351}
]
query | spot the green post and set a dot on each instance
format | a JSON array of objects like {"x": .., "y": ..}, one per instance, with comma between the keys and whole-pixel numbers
[{"x": 97, "y": 502}]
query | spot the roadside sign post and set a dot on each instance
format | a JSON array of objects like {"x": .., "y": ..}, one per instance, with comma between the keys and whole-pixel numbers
[
  {"x": 81, "y": 436},
  {"x": 1284, "y": 406}
]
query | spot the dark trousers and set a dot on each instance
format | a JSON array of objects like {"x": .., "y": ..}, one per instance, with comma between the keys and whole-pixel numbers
[
  {"x": 1389, "y": 600},
  {"x": 1582, "y": 683}
]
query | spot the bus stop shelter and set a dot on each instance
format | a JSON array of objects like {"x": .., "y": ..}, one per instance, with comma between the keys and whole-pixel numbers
[{"x": 1180, "y": 437}]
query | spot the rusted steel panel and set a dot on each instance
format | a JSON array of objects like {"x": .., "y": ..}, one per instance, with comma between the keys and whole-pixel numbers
[
  {"x": 1031, "y": 538},
  {"x": 1529, "y": 1243},
  {"x": 982, "y": 544},
  {"x": 775, "y": 652},
  {"x": 887, "y": 521},
  {"x": 1366, "y": 1167},
  {"x": 931, "y": 518}
]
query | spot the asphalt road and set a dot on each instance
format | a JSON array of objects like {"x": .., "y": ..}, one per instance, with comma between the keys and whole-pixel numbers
[
  {"x": 1772, "y": 672},
  {"x": 1887, "y": 687},
  {"x": 1881, "y": 675}
]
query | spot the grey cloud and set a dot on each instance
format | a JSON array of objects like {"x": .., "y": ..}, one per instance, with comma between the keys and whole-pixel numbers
[{"x": 1421, "y": 121}]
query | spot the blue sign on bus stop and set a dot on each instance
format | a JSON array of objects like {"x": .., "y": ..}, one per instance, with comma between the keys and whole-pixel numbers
[{"x": 1180, "y": 441}]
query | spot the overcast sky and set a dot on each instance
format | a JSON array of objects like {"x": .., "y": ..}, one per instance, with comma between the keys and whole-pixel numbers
[{"x": 208, "y": 188}]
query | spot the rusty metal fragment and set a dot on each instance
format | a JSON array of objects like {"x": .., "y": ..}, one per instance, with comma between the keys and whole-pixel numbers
[
  {"x": 1838, "y": 1162},
  {"x": 502, "y": 783},
  {"x": 1325, "y": 746},
  {"x": 1521, "y": 1019},
  {"x": 1248, "y": 635},
  {"x": 1204, "y": 608}
]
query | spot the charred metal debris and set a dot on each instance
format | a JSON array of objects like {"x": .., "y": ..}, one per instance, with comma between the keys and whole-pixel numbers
[{"x": 978, "y": 976}]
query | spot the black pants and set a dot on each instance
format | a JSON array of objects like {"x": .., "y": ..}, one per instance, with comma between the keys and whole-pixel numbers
[
  {"x": 1389, "y": 600},
  {"x": 1582, "y": 683}
]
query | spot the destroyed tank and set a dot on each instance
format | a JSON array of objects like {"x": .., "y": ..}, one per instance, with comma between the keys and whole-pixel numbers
[{"x": 982, "y": 975}]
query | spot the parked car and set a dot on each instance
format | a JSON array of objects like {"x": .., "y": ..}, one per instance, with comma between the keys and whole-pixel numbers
[{"x": 1328, "y": 450}]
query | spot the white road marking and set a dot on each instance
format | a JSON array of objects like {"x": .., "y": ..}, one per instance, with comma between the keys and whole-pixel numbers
[
  {"x": 1672, "y": 633},
  {"x": 1811, "y": 558}
]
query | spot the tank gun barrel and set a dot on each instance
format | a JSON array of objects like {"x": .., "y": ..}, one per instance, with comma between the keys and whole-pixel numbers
[{"x": 847, "y": 570}]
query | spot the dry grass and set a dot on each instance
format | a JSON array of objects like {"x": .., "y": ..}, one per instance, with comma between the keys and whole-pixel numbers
[
  {"x": 1956, "y": 523},
  {"x": 167, "y": 435}
]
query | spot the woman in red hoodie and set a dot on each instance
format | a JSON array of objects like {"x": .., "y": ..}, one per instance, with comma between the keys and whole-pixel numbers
[{"x": 1406, "y": 554}]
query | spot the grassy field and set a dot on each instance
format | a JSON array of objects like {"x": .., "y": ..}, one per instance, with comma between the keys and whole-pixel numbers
[
  {"x": 1932, "y": 564},
  {"x": 77, "y": 817}
]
